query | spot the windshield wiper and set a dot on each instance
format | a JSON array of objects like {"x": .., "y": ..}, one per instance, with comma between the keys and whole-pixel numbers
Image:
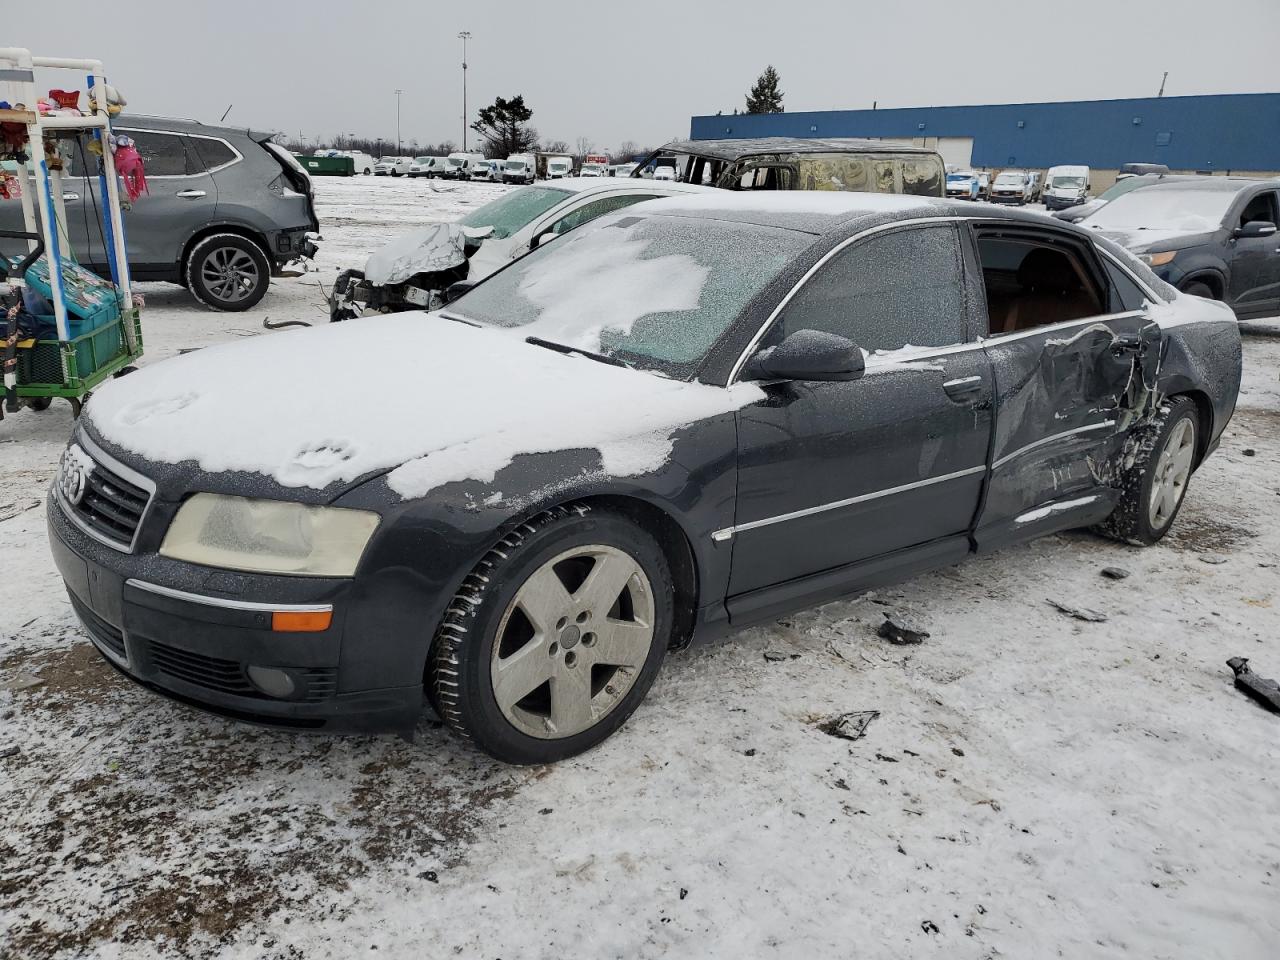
[{"x": 566, "y": 349}]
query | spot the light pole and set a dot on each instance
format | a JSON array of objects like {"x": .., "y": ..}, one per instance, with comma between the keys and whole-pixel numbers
[
  {"x": 398, "y": 92},
  {"x": 464, "y": 36}
]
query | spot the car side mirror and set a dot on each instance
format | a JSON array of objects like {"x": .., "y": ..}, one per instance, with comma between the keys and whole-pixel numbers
[
  {"x": 807, "y": 355},
  {"x": 455, "y": 290},
  {"x": 543, "y": 238},
  {"x": 1255, "y": 228}
]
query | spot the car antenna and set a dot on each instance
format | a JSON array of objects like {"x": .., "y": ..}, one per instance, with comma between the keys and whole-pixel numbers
[{"x": 228, "y": 110}]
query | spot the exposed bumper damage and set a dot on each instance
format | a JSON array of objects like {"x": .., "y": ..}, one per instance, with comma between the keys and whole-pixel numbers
[{"x": 410, "y": 273}]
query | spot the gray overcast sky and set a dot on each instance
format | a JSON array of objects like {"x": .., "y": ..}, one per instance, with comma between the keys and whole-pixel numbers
[{"x": 615, "y": 70}]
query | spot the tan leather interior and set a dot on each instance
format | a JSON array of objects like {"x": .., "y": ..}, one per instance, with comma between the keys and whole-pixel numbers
[{"x": 1051, "y": 289}]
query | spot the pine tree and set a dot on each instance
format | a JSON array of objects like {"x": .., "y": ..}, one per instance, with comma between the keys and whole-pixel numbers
[{"x": 765, "y": 97}]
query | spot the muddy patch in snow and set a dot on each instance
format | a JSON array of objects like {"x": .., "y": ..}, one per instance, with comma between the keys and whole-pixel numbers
[{"x": 267, "y": 821}]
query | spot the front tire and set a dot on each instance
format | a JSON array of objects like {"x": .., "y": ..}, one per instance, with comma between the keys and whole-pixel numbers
[
  {"x": 556, "y": 636},
  {"x": 226, "y": 271},
  {"x": 1198, "y": 289},
  {"x": 1154, "y": 487}
]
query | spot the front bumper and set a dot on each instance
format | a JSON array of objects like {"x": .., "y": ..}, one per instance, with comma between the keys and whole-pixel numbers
[
  {"x": 194, "y": 643},
  {"x": 1055, "y": 203},
  {"x": 1008, "y": 198}
]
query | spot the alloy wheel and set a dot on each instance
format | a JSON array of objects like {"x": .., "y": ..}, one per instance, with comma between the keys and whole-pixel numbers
[
  {"x": 572, "y": 641},
  {"x": 229, "y": 274},
  {"x": 1172, "y": 471}
]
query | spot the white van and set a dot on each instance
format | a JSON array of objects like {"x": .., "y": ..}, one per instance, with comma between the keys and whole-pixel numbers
[
  {"x": 1066, "y": 186},
  {"x": 558, "y": 167},
  {"x": 482, "y": 170},
  {"x": 519, "y": 168},
  {"x": 426, "y": 167},
  {"x": 592, "y": 170},
  {"x": 457, "y": 166},
  {"x": 1012, "y": 186}
]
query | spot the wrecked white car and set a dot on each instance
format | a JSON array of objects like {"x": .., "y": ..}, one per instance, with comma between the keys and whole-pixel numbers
[{"x": 415, "y": 271}]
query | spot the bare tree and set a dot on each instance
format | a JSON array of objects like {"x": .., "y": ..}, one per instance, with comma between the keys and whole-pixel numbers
[
  {"x": 585, "y": 146},
  {"x": 627, "y": 149},
  {"x": 555, "y": 146}
]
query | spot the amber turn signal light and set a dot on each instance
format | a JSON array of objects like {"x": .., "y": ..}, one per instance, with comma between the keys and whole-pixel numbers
[{"x": 311, "y": 621}]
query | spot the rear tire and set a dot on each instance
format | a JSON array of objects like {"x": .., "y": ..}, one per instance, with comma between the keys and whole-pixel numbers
[
  {"x": 1153, "y": 489},
  {"x": 39, "y": 403},
  {"x": 227, "y": 271},
  {"x": 579, "y": 604}
]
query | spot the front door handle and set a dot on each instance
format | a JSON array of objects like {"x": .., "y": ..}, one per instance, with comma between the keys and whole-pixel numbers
[
  {"x": 190, "y": 194},
  {"x": 964, "y": 388}
]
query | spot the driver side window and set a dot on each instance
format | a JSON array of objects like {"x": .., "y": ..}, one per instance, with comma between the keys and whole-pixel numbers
[
  {"x": 896, "y": 289},
  {"x": 596, "y": 208},
  {"x": 1261, "y": 209}
]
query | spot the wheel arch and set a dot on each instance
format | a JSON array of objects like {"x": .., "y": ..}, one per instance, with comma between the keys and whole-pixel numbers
[
  {"x": 1211, "y": 277},
  {"x": 211, "y": 229},
  {"x": 1204, "y": 418}
]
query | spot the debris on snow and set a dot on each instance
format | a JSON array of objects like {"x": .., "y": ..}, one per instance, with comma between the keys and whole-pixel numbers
[
  {"x": 901, "y": 633},
  {"x": 1265, "y": 691},
  {"x": 849, "y": 726},
  {"x": 776, "y": 656},
  {"x": 1080, "y": 613},
  {"x": 10, "y": 751},
  {"x": 1115, "y": 573},
  {"x": 1212, "y": 558}
]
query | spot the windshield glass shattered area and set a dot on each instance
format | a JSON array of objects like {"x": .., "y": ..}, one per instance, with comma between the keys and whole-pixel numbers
[
  {"x": 655, "y": 292},
  {"x": 1159, "y": 209},
  {"x": 509, "y": 213}
]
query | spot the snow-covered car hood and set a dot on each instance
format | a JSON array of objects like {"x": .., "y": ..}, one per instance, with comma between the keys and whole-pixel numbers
[
  {"x": 437, "y": 247},
  {"x": 454, "y": 402},
  {"x": 1139, "y": 240}
]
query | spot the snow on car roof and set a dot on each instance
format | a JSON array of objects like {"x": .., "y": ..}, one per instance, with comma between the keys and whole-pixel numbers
[
  {"x": 735, "y": 149},
  {"x": 813, "y": 211},
  {"x": 603, "y": 184}
]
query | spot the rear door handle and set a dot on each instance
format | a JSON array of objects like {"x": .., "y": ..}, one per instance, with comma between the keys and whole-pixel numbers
[
  {"x": 963, "y": 388},
  {"x": 190, "y": 194}
]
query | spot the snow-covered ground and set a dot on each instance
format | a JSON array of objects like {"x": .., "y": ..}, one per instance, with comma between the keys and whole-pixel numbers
[{"x": 1033, "y": 786}]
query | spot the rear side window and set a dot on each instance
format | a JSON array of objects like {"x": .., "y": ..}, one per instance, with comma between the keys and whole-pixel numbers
[
  {"x": 214, "y": 153},
  {"x": 1125, "y": 294},
  {"x": 165, "y": 154},
  {"x": 889, "y": 291},
  {"x": 597, "y": 208}
]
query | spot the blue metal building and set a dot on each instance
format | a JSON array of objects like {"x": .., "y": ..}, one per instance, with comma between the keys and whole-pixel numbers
[{"x": 1216, "y": 133}]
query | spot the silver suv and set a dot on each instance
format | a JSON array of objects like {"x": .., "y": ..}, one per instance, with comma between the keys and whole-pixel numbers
[{"x": 224, "y": 210}]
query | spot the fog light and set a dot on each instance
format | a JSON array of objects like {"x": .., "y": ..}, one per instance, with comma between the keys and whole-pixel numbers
[{"x": 272, "y": 682}]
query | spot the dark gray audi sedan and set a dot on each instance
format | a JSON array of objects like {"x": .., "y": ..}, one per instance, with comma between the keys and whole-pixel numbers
[{"x": 691, "y": 416}]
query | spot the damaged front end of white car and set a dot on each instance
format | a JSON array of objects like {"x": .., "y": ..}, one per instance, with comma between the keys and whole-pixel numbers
[{"x": 412, "y": 272}]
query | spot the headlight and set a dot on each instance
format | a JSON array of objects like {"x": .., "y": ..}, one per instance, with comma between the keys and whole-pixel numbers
[
  {"x": 1158, "y": 259},
  {"x": 269, "y": 536}
]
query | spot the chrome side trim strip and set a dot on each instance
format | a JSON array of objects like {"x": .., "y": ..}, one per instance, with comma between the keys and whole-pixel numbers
[
  {"x": 119, "y": 469},
  {"x": 1046, "y": 440},
  {"x": 225, "y": 604},
  {"x": 720, "y": 536}
]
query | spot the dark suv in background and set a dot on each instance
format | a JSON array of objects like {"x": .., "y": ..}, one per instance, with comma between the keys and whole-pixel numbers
[
  {"x": 1213, "y": 237},
  {"x": 224, "y": 210}
]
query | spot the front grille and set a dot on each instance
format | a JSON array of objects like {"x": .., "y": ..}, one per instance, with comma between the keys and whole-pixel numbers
[
  {"x": 106, "y": 501},
  {"x": 111, "y": 505},
  {"x": 110, "y": 637},
  {"x": 228, "y": 676}
]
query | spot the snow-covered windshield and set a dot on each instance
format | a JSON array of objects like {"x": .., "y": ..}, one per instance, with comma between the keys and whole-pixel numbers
[
  {"x": 1160, "y": 208},
  {"x": 455, "y": 161},
  {"x": 509, "y": 213},
  {"x": 1068, "y": 183},
  {"x": 656, "y": 292},
  {"x": 1009, "y": 180},
  {"x": 515, "y": 164}
]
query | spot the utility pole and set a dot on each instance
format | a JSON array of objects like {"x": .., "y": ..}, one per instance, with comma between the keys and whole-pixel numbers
[
  {"x": 1162, "y": 80},
  {"x": 464, "y": 36},
  {"x": 398, "y": 92}
]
